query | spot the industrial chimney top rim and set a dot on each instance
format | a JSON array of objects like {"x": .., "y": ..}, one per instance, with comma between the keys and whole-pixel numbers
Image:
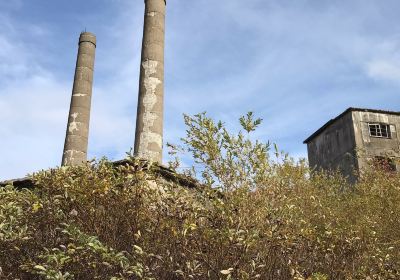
[
  {"x": 87, "y": 37},
  {"x": 165, "y": 1}
]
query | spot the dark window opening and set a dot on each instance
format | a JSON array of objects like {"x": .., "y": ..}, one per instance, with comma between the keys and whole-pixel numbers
[
  {"x": 379, "y": 130},
  {"x": 385, "y": 164}
]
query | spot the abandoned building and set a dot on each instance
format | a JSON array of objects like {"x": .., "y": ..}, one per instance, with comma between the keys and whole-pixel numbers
[{"x": 355, "y": 139}]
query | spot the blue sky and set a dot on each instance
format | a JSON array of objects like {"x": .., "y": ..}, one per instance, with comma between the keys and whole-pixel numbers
[{"x": 296, "y": 64}]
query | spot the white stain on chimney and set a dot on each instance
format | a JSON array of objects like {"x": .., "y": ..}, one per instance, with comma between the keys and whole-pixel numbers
[
  {"x": 149, "y": 116},
  {"x": 73, "y": 125},
  {"x": 151, "y": 14},
  {"x": 71, "y": 155}
]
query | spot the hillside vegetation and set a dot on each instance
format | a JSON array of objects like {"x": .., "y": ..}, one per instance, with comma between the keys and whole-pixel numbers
[{"x": 258, "y": 215}]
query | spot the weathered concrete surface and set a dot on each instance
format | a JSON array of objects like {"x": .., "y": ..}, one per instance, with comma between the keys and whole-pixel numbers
[
  {"x": 76, "y": 139},
  {"x": 369, "y": 147},
  {"x": 150, "y": 110},
  {"x": 345, "y": 142},
  {"x": 334, "y": 148},
  {"x": 165, "y": 174}
]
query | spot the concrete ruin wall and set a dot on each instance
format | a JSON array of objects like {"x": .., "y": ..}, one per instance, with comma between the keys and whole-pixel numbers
[
  {"x": 345, "y": 143},
  {"x": 334, "y": 148},
  {"x": 368, "y": 146}
]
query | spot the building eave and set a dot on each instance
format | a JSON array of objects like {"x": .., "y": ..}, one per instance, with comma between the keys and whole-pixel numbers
[{"x": 351, "y": 109}]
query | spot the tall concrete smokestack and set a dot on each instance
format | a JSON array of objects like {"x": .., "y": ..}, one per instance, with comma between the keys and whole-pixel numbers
[
  {"x": 150, "y": 110},
  {"x": 76, "y": 139}
]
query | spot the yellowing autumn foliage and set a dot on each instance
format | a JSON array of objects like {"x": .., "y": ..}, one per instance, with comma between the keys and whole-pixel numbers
[{"x": 257, "y": 215}]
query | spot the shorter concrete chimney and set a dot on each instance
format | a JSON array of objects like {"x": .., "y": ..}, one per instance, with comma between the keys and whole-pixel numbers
[{"x": 76, "y": 139}]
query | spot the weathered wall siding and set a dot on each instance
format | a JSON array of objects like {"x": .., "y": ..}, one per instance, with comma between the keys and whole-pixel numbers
[
  {"x": 334, "y": 148},
  {"x": 346, "y": 144},
  {"x": 369, "y": 147}
]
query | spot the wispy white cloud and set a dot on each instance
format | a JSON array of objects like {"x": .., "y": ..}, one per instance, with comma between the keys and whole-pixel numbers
[
  {"x": 32, "y": 118},
  {"x": 384, "y": 70},
  {"x": 34, "y": 99},
  {"x": 384, "y": 62},
  {"x": 31, "y": 100}
]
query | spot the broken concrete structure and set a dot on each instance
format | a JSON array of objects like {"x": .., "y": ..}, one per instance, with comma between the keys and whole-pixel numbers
[
  {"x": 161, "y": 173},
  {"x": 76, "y": 139},
  {"x": 150, "y": 110},
  {"x": 355, "y": 139}
]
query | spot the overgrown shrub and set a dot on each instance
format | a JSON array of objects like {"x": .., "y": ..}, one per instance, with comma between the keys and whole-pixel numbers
[{"x": 258, "y": 215}]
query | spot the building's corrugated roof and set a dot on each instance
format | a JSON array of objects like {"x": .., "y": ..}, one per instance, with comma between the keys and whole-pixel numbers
[{"x": 351, "y": 109}]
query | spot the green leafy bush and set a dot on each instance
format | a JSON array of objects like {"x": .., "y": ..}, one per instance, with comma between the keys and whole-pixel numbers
[{"x": 257, "y": 215}]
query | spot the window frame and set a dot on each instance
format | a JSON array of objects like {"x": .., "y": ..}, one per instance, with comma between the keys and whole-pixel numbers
[{"x": 382, "y": 130}]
